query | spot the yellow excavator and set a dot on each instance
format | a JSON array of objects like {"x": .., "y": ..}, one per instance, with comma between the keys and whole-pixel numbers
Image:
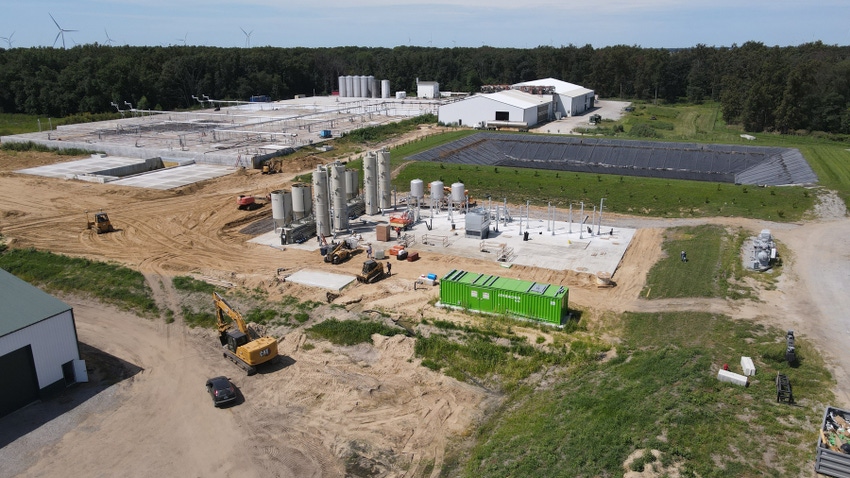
[{"x": 241, "y": 345}]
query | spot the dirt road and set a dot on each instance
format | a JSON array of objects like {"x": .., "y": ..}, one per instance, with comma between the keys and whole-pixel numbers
[{"x": 331, "y": 410}]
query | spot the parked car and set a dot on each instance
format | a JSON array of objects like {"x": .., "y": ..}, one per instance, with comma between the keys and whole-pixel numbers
[{"x": 221, "y": 390}]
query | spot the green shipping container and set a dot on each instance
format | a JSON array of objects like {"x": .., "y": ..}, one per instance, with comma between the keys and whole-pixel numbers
[{"x": 500, "y": 295}]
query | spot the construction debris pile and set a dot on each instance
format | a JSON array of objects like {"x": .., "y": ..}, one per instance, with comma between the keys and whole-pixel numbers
[{"x": 833, "y": 448}]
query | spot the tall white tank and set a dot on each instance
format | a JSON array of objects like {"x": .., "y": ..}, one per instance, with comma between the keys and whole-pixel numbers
[
  {"x": 437, "y": 191},
  {"x": 342, "y": 86},
  {"x": 352, "y": 183},
  {"x": 417, "y": 188},
  {"x": 302, "y": 203},
  {"x": 349, "y": 86},
  {"x": 321, "y": 201},
  {"x": 364, "y": 86},
  {"x": 281, "y": 208},
  {"x": 384, "y": 179},
  {"x": 458, "y": 193},
  {"x": 339, "y": 197},
  {"x": 370, "y": 183},
  {"x": 385, "y": 88},
  {"x": 357, "y": 85},
  {"x": 373, "y": 90}
]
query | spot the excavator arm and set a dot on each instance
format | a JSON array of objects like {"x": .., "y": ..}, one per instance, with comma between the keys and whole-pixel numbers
[{"x": 222, "y": 308}]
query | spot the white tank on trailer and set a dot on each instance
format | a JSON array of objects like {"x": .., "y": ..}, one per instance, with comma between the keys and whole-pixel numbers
[
  {"x": 302, "y": 204},
  {"x": 370, "y": 183},
  {"x": 339, "y": 197},
  {"x": 321, "y": 201},
  {"x": 417, "y": 188}
]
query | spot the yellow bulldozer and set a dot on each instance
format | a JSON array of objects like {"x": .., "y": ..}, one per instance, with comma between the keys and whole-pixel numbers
[
  {"x": 101, "y": 222},
  {"x": 241, "y": 345}
]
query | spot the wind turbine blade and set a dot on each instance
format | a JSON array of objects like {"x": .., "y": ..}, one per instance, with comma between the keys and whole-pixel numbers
[
  {"x": 56, "y": 39},
  {"x": 54, "y": 21}
]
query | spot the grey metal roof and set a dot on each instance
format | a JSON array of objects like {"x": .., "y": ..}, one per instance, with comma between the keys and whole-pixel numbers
[{"x": 22, "y": 304}]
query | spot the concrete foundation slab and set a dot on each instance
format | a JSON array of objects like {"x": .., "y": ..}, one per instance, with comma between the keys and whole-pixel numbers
[
  {"x": 324, "y": 280},
  {"x": 175, "y": 177}
]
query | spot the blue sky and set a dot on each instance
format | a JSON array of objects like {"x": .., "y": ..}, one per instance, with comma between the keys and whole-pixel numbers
[{"x": 438, "y": 23}]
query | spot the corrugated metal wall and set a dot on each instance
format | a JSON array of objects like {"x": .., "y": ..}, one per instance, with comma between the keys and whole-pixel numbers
[{"x": 54, "y": 342}]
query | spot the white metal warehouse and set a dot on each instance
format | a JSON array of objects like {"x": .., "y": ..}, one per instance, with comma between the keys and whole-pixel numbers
[
  {"x": 508, "y": 108},
  {"x": 570, "y": 99},
  {"x": 39, "y": 352}
]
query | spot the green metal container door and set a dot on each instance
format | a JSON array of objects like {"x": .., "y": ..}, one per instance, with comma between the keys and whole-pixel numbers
[{"x": 501, "y": 295}]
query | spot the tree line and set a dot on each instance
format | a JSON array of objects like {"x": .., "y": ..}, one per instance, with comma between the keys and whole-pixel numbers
[{"x": 762, "y": 88}]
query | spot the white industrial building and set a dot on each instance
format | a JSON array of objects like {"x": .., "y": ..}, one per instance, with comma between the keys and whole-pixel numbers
[
  {"x": 39, "y": 352},
  {"x": 515, "y": 108},
  {"x": 570, "y": 99},
  {"x": 508, "y": 108}
]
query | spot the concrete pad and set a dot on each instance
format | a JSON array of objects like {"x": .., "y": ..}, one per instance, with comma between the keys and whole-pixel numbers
[
  {"x": 567, "y": 247},
  {"x": 70, "y": 169},
  {"x": 171, "y": 178},
  {"x": 323, "y": 280}
]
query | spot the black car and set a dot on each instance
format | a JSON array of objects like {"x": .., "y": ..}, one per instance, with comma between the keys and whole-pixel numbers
[{"x": 221, "y": 390}]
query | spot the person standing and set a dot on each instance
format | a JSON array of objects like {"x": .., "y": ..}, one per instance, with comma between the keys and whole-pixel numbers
[
  {"x": 369, "y": 251},
  {"x": 389, "y": 268},
  {"x": 684, "y": 257}
]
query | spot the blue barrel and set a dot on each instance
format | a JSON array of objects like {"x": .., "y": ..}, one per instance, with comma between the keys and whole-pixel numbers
[{"x": 432, "y": 276}]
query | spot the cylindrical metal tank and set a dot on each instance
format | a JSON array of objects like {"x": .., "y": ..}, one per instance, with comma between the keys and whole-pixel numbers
[
  {"x": 357, "y": 84},
  {"x": 417, "y": 189},
  {"x": 339, "y": 197},
  {"x": 370, "y": 183},
  {"x": 458, "y": 193},
  {"x": 352, "y": 183},
  {"x": 384, "y": 179},
  {"x": 349, "y": 86},
  {"x": 437, "y": 191},
  {"x": 321, "y": 202},
  {"x": 373, "y": 91},
  {"x": 364, "y": 86},
  {"x": 342, "y": 86},
  {"x": 385, "y": 88},
  {"x": 302, "y": 203},
  {"x": 281, "y": 208}
]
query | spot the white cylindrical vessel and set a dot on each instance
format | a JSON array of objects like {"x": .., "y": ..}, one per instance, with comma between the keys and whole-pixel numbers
[
  {"x": 339, "y": 197},
  {"x": 281, "y": 208},
  {"x": 342, "y": 87},
  {"x": 458, "y": 193},
  {"x": 384, "y": 179},
  {"x": 437, "y": 191},
  {"x": 370, "y": 183},
  {"x": 352, "y": 183},
  {"x": 373, "y": 90},
  {"x": 417, "y": 189},
  {"x": 357, "y": 84},
  {"x": 302, "y": 203},
  {"x": 321, "y": 202},
  {"x": 364, "y": 86},
  {"x": 349, "y": 86},
  {"x": 385, "y": 88}
]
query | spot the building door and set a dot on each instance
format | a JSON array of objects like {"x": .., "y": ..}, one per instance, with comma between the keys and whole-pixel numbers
[{"x": 19, "y": 379}]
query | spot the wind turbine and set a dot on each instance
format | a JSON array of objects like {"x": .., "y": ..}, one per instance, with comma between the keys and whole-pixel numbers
[
  {"x": 109, "y": 41},
  {"x": 61, "y": 33},
  {"x": 8, "y": 39},
  {"x": 247, "y": 37},
  {"x": 184, "y": 39}
]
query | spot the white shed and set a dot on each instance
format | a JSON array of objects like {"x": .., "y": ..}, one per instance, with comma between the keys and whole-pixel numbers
[
  {"x": 39, "y": 352},
  {"x": 427, "y": 89},
  {"x": 504, "y": 108}
]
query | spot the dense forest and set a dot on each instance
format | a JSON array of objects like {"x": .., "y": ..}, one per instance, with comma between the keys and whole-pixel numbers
[{"x": 784, "y": 89}]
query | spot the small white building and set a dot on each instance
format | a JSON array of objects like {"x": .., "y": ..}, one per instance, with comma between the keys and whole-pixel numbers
[
  {"x": 508, "y": 108},
  {"x": 570, "y": 99},
  {"x": 427, "y": 89},
  {"x": 39, "y": 352}
]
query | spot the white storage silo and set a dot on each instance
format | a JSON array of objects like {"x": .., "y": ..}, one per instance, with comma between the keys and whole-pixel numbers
[
  {"x": 385, "y": 88},
  {"x": 458, "y": 193},
  {"x": 281, "y": 208},
  {"x": 321, "y": 202},
  {"x": 373, "y": 87},
  {"x": 437, "y": 191},
  {"x": 417, "y": 189},
  {"x": 339, "y": 197},
  {"x": 364, "y": 86},
  {"x": 384, "y": 179},
  {"x": 342, "y": 87},
  {"x": 357, "y": 84},
  {"x": 352, "y": 183},
  {"x": 349, "y": 86},
  {"x": 302, "y": 203},
  {"x": 370, "y": 183}
]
